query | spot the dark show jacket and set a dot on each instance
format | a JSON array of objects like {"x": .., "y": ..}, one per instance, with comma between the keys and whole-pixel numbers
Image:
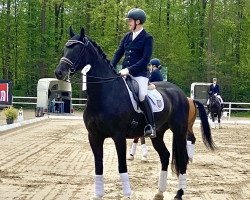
[
  {"x": 155, "y": 76},
  {"x": 137, "y": 53},
  {"x": 214, "y": 89}
]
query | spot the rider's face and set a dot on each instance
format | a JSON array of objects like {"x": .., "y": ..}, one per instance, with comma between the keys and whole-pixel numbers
[
  {"x": 150, "y": 67},
  {"x": 131, "y": 24}
]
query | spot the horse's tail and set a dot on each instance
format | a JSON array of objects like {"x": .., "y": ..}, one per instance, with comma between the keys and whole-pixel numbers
[
  {"x": 206, "y": 131},
  {"x": 179, "y": 144}
]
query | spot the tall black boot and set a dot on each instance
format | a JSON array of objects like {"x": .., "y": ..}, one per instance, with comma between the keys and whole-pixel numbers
[{"x": 149, "y": 130}]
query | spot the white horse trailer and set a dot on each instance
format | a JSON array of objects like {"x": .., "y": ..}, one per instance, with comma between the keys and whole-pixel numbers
[
  {"x": 199, "y": 91},
  {"x": 53, "y": 93}
]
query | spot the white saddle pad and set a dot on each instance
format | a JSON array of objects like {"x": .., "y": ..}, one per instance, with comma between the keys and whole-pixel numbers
[{"x": 155, "y": 99}]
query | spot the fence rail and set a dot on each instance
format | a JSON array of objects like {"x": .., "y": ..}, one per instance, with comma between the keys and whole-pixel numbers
[{"x": 229, "y": 106}]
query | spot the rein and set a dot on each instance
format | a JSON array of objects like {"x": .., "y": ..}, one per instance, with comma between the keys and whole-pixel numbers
[{"x": 103, "y": 80}]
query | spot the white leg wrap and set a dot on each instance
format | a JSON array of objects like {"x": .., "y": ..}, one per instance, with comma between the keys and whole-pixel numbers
[
  {"x": 162, "y": 184},
  {"x": 99, "y": 186},
  {"x": 190, "y": 149},
  {"x": 125, "y": 184},
  {"x": 144, "y": 150},
  {"x": 182, "y": 182},
  {"x": 133, "y": 148}
]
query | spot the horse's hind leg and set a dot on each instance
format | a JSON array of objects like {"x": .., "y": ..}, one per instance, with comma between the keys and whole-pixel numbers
[
  {"x": 191, "y": 145},
  {"x": 96, "y": 143},
  {"x": 133, "y": 149},
  {"x": 190, "y": 134},
  {"x": 120, "y": 144},
  {"x": 179, "y": 157},
  {"x": 144, "y": 149},
  {"x": 164, "y": 155}
]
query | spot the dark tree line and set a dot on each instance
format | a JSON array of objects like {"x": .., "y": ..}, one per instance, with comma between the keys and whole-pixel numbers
[{"x": 196, "y": 40}]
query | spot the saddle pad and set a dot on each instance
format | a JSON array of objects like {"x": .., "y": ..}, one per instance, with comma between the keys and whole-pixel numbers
[{"x": 155, "y": 98}]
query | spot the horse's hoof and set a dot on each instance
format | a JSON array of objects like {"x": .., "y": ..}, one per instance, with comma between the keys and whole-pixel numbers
[
  {"x": 179, "y": 194},
  {"x": 190, "y": 160},
  {"x": 144, "y": 159},
  {"x": 158, "y": 196},
  {"x": 130, "y": 157}
]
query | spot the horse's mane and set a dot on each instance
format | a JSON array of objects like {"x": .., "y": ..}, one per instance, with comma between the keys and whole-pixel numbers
[
  {"x": 100, "y": 51},
  {"x": 103, "y": 55}
]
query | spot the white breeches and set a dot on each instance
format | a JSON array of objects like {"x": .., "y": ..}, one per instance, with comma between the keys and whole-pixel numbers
[{"x": 143, "y": 86}]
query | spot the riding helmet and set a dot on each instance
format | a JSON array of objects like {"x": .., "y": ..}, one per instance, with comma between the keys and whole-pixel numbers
[
  {"x": 155, "y": 62},
  {"x": 137, "y": 14}
]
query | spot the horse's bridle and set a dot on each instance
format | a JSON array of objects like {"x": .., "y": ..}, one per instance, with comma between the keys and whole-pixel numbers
[{"x": 72, "y": 65}]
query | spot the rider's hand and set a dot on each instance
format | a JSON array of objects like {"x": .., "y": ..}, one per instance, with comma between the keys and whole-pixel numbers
[{"x": 124, "y": 72}]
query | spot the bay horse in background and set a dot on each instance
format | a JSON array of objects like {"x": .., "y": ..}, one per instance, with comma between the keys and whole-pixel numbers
[
  {"x": 215, "y": 109},
  {"x": 192, "y": 114},
  {"x": 109, "y": 113}
]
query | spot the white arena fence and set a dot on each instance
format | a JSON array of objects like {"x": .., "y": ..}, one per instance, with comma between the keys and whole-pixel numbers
[
  {"x": 17, "y": 100},
  {"x": 79, "y": 102}
]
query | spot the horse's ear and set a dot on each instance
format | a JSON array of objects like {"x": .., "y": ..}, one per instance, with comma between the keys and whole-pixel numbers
[
  {"x": 71, "y": 33},
  {"x": 82, "y": 34}
]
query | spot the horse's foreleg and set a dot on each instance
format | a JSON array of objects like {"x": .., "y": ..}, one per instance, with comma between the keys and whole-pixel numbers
[
  {"x": 120, "y": 144},
  {"x": 219, "y": 118},
  {"x": 213, "y": 121},
  {"x": 96, "y": 144},
  {"x": 164, "y": 154}
]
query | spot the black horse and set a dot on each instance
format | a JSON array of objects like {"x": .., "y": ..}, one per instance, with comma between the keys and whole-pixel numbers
[
  {"x": 109, "y": 113},
  {"x": 215, "y": 109}
]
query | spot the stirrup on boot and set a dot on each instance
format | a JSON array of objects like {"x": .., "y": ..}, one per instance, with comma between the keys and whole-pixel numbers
[{"x": 149, "y": 131}]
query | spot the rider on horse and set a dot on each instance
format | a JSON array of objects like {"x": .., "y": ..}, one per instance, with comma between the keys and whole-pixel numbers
[
  {"x": 214, "y": 89},
  {"x": 155, "y": 73},
  {"x": 137, "y": 46}
]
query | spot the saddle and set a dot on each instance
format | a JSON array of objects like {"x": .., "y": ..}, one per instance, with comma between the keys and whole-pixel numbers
[
  {"x": 154, "y": 96},
  {"x": 134, "y": 88}
]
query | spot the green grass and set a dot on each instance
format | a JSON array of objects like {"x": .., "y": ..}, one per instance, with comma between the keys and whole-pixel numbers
[{"x": 241, "y": 114}]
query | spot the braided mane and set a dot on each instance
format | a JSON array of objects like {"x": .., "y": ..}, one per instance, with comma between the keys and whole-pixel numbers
[{"x": 100, "y": 51}]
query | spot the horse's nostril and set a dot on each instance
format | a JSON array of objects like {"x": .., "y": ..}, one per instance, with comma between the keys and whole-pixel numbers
[{"x": 58, "y": 74}]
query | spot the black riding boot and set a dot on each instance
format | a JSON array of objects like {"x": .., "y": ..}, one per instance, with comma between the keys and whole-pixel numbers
[{"x": 149, "y": 130}]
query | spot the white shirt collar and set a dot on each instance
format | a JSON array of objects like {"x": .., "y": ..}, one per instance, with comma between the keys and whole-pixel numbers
[{"x": 135, "y": 34}]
